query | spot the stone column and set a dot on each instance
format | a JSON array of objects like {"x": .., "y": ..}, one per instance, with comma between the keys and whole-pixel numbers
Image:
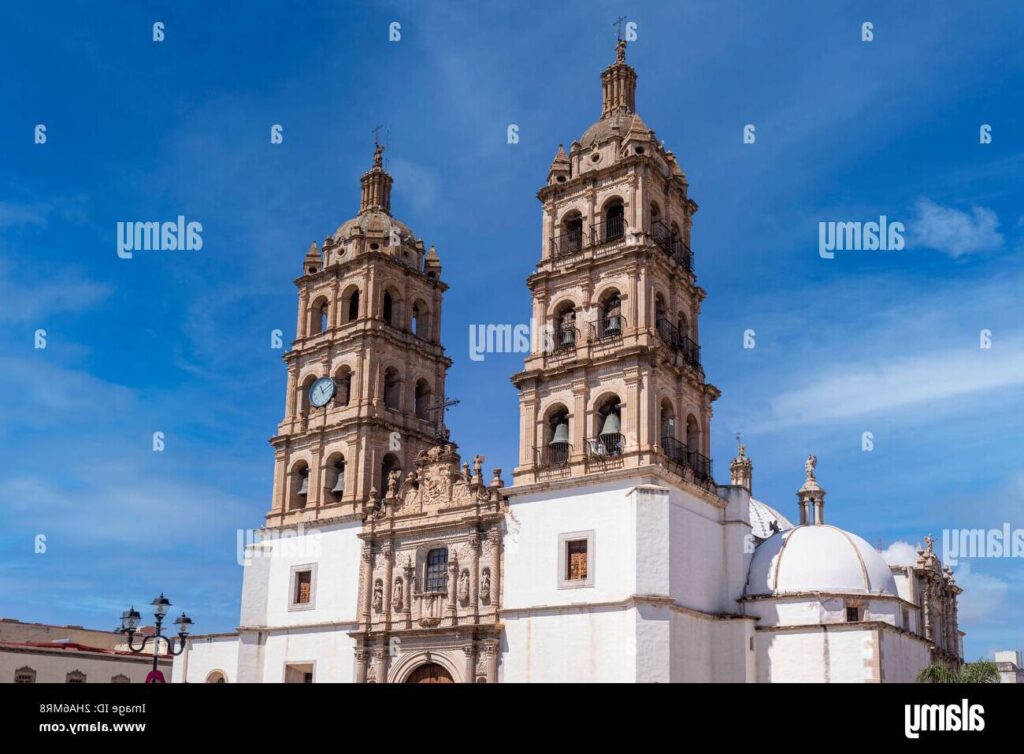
[
  {"x": 335, "y": 318},
  {"x": 469, "y": 669},
  {"x": 292, "y": 396},
  {"x": 453, "y": 578},
  {"x": 409, "y": 582},
  {"x": 474, "y": 576},
  {"x": 492, "y": 651},
  {"x": 388, "y": 553},
  {"x": 301, "y": 327},
  {"x": 495, "y": 538},
  {"x": 362, "y": 656},
  {"x": 367, "y": 588}
]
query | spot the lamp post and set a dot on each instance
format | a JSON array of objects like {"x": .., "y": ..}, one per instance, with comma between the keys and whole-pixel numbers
[{"x": 130, "y": 624}]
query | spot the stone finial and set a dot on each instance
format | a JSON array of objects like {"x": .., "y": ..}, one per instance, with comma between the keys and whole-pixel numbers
[
  {"x": 560, "y": 166},
  {"x": 618, "y": 84},
  {"x": 741, "y": 470},
  {"x": 376, "y": 183},
  {"x": 811, "y": 496},
  {"x": 620, "y": 51},
  {"x": 311, "y": 263}
]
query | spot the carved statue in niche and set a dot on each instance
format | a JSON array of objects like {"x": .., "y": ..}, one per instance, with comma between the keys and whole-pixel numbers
[
  {"x": 464, "y": 586},
  {"x": 396, "y": 594},
  {"x": 378, "y": 596},
  {"x": 485, "y": 585},
  {"x": 478, "y": 464},
  {"x": 394, "y": 480}
]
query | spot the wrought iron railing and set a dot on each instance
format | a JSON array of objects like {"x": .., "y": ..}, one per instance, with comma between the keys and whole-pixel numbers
[
  {"x": 569, "y": 242},
  {"x": 607, "y": 328},
  {"x": 673, "y": 337},
  {"x": 565, "y": 338},
  {"x": 671, "y": 243},
  {"x": 553, "y": 454},
  {"x": 604, "y": 446},
  {"x": 679, "y": 454},
  {"x": 612, "y": 228}
]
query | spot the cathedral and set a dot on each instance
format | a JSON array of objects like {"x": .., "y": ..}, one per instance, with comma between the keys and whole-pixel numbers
[{"x": 613, "y": 555}]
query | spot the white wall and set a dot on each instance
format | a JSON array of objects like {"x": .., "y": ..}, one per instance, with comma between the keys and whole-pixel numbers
[
  {"x": 204, "y": 655},
  {"x": 657, "y": 549}
]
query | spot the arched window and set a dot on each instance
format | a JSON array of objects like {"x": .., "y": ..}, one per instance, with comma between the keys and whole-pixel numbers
[
  {"x": 304, "y": 394},
  {"x": 351, "y": 304},
  {"x": 343, "y": 379},
  {"x": 422, "y": 399},
  {"x": 324, "y": 320},
  {"x": 611, "y": 315},
  {"x": 608, "y": 441},
  {"x": 655, "y": 212},
  {"x": 659, "y": 308},
  {"x": 334, "y": 478},
  {"x": 388, "y": 310},
  {"x": 25, "y": 675},
  {"x": 682, "y": 325},
  {"x": 392, "y": 389},
  {"x": 558, "y": 441},
  {"x": 614, "y": 221},
  {"x": 565, "y": 326},
  {"x": 387, "y": 465},
  {"x": 299, "y": 487},
  {"x": 216, "y": 676},
  {"x": 571, "y": 237},
  {"x": 120, "y": 678},
  {"x": 692, "y": 434},
  {"x": 667, "y": 422},
  {"x": 436, "y": 574},
  {"x": 76, "y": 676},
  {"x": 420, "y": 320}
]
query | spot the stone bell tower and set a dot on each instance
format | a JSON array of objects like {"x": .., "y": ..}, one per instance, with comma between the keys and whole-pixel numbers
[
  {"x": 616, "y": 381},
  {"x": 366, "y": 372}
]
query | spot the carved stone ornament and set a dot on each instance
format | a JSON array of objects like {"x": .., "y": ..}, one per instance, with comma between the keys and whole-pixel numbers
[
  {"x": 464, "y": 587},
  {"x": 378, "y": 596},
  {"x": 396, "y": 595},
  {"x": 485, "y": 585}
]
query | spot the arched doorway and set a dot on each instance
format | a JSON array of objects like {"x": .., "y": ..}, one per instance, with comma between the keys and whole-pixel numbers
[{"x": 430, "y": 673}]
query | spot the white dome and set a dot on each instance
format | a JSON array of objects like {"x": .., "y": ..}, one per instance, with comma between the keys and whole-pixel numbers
[
  {"x": 818, "y": 558},
  {"x": 761, "y": 517}
]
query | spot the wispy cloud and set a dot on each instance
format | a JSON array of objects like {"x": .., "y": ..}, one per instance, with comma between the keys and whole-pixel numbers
[
  {"x": 900, "y": 553},
  {"x": 853, "y": 389},
  {"x": 953, "y": 231},
  {"x": 14, "y": 215}
]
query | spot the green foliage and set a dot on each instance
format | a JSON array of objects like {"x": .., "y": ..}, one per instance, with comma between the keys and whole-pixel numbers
[{"x": 982, "y": 671}]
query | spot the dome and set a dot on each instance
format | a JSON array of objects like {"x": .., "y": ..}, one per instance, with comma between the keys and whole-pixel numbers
[
  {"x": 762, "y": 516},
  {"x": 618, "y": 124},
  {"x": 818, "y": 558},
  {"x": 373, "y": 222}
]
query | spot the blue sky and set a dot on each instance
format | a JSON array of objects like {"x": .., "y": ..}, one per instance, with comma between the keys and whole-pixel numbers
[{"x": 180, "y": 342}]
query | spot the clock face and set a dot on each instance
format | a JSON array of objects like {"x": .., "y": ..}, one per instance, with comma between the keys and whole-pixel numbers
[{"x": 321, "y": 392}]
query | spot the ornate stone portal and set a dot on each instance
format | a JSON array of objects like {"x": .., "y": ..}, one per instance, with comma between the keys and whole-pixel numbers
[{"x": 431, "y": 573}]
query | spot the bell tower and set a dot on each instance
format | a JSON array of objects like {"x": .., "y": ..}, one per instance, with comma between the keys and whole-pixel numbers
[
  {"x": 366, "y": 371},
  {"x": 617, "y": 379}
]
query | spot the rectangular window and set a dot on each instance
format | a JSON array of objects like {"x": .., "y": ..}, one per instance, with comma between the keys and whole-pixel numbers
[
  {"x": 436, "y": 577},
  {"x": 303, "y": 587},
  {"x": 300, "y": 672},
  {"x": 852, "y": 614},
  {"x": 576, "y": 559}
]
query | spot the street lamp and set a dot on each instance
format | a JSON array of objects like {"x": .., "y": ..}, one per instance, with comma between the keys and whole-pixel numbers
[{"x": 130, "y": 624}]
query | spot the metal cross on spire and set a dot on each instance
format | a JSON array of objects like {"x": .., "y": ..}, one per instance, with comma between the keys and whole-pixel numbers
[
  {"x": 441, "y": 405},
  {"x": 619, "y": 25}
]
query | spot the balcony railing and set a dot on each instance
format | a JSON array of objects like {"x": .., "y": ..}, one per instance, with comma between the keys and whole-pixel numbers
[
  {"x": 607, "y": 328},
  {"x": 553, "y": 454},
  {"x": 569, "y": 242},
  {"x": 565, "y": 338},
  {"x": 612, "y": 228},
  {"x": 674, "y": 338},
  {"x": 679, "y": 454},
  {"x": 670, "y": 243},
  {"x": 605, "y": 446}
]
